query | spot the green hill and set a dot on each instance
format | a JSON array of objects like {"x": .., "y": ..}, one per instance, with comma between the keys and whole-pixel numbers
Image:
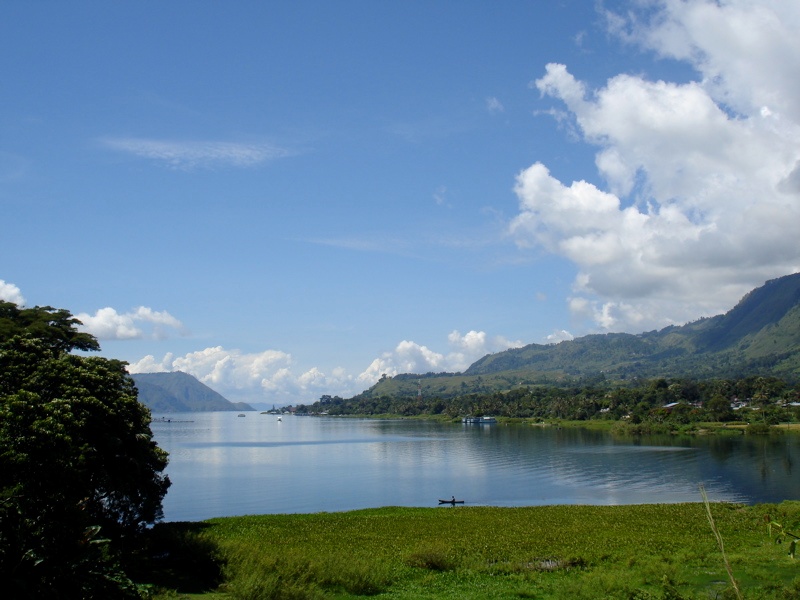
[
  {"x": 759, "y": 336},
  {"x": 180, "y": 392}
]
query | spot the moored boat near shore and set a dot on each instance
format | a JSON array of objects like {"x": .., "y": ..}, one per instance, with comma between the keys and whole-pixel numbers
[{"x": 479, "y": 420}]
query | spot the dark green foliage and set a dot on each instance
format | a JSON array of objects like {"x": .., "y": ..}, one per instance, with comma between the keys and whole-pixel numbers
[
  {"x": 180, "y": 557},
  {"x": 80, "y": 475},
  {"x": 758, "y": 429},
  {"x": 646, "y": 406},
  {"x": 719, "y": 408},
  {"x": 55, "y": 328}
]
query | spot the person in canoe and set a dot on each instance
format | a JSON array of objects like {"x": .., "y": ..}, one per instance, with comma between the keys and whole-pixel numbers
[{"x": 452, "y": 501}]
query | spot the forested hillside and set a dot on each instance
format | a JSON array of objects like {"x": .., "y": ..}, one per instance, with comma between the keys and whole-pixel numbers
[{"x": 759, "y": 336}]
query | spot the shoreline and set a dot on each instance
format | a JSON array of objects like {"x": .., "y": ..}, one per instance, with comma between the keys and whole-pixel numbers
[{"x": 699, "y": 428}]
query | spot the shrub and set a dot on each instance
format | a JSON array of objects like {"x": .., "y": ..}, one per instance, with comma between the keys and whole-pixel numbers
[
  {"x": 433, "y": 558},
  {"x": 758, "y": 429}
]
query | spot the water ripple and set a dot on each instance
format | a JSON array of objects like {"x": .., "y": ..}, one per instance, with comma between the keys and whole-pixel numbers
[{"x": 221, "y": 465}]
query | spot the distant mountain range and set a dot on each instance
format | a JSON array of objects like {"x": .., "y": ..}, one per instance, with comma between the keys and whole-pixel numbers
[
  {"x": 180, "y": 392},
  {"x": 759, "y": 336}
]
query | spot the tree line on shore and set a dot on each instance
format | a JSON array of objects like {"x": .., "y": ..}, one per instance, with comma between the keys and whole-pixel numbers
[{"x": 674, "y": 401}]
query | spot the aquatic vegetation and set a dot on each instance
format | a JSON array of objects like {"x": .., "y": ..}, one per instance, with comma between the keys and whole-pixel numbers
[{"x": 642, "y": 552}]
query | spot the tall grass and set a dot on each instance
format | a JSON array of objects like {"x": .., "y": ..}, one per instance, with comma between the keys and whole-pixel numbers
[
  {"x": 720, "y": 543},
  {"x": 629, "y": 552}
]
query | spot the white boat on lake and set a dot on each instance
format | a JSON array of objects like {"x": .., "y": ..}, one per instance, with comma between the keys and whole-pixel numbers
[{"x": 479, "y": 420}]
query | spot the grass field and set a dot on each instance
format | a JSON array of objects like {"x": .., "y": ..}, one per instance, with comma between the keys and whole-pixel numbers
[{"x": 631, "y": 552}]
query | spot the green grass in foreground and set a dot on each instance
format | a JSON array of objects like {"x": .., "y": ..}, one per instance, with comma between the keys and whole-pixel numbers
[{"x": 632, "y": 552}]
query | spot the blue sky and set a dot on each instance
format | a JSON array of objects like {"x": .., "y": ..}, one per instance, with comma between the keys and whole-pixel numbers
[{"x": 290, "y": 199}]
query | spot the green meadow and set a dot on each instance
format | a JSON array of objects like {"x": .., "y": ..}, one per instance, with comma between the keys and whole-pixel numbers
[{"x": 643, "y": 552}]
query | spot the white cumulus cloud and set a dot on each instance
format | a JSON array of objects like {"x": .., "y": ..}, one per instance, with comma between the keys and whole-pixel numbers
[
  {"x": 272, "y": 376},
  {"x": 11, "y": 293},
  {"x": 561, "y": 335},
  {"x": 410, "y": 357},
  {"x": 267, "y": 376},
  {"x": 698, "y": 194},
  {"x": 139, "y": 323}
]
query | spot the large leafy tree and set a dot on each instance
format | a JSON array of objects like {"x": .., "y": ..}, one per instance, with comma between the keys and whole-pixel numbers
[{"x": 80, "y": 475}]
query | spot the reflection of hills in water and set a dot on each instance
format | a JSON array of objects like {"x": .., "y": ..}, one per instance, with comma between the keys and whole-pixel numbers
[
  {"x": 742, "y": 468},
  {"x": 762, "y": 467},
  {"x": 221, "y": 465}
]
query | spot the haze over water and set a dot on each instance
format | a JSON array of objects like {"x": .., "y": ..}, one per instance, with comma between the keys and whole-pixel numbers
[{"x": 225, "y": 465}]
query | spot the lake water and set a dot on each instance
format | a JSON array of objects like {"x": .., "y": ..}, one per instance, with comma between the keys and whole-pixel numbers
[{"x": 224, "y": 465}]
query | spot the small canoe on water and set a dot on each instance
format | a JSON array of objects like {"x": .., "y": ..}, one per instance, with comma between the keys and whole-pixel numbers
[{"x": 453, "y": 501}]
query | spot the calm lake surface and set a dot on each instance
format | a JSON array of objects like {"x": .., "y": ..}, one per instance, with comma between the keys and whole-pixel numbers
[{"x": 224, "y": 465}]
